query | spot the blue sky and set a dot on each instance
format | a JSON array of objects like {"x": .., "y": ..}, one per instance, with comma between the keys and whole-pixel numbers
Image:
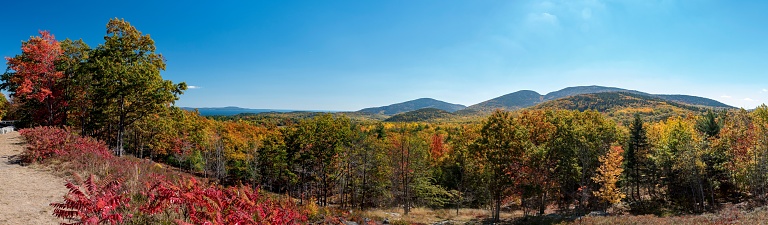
[{"x": 348, "y": 55}]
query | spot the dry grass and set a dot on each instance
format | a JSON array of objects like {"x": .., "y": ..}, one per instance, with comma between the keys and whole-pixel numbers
[
  {"x": 430, "y": 216},
  {"x": 730, "y": 214}
]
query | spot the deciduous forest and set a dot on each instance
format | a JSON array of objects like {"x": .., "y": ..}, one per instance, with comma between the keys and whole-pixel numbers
[{"x": 106, "y": 115}]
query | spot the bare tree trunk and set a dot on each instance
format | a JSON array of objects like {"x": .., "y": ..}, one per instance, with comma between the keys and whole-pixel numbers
[
  {"x": 543, "y": 205},
  {"x": 120, "y": 127}
]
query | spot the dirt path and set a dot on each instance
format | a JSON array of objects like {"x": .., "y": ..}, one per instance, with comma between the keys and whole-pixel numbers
[{"x": 25, "y": 191}]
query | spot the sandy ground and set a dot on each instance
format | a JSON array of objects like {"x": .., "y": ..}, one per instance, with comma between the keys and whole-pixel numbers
[{"x": 25, "y": 191}]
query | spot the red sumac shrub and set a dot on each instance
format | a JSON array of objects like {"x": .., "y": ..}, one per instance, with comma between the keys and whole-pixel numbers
[
  {"x": 47, "y": 142},
  {"x": 92, "y": 203},
  {"x": 44, "y": 142},
  {"x": 210, "y": 204}
]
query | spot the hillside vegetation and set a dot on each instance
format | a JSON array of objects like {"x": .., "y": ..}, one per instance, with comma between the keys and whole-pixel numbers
[
  {"x": 622, "y": 106},
  {"x": 421, "y": 115},
  {"x": 417, "y": 104},
  {"x": 511, "y": 101}
]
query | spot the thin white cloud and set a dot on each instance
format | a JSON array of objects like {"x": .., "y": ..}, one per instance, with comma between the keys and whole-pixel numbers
[
  {"x": 726, "y": 96},
  {"x": 765, "y": 90},
  {"x": 749, "y": 99},
  {"x": 193, "y": 87},
  {"x": 542, "y": 18}
]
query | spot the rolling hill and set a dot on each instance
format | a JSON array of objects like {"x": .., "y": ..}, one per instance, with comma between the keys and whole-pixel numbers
[
  {"x": 511, "y": 101},
  {"x": 425, "y": 114},
  {"x": 413, "y": 105},
  {"x": 694, "y": 100},
  {"x": 577, "y": 90},
  {"x": 525, "y": 98},
  {"x": 622, "y": 106}
]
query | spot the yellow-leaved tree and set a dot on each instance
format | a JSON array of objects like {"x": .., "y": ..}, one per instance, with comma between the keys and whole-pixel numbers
[{"x": 608, "y": 175}]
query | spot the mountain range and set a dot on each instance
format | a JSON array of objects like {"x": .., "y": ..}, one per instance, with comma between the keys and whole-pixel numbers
[
  {"x": 527, "y": 98},
  {"x": 578, "y": 98}
]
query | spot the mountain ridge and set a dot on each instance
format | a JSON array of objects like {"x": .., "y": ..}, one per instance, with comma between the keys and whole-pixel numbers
[
  {"x": 525, "y": 98},
  {"x": 413, "y": 105}
]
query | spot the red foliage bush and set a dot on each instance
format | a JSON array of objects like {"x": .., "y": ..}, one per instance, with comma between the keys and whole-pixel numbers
[
  {"x": 210, "y": 204},
  {"x": 44, "y": 142},
  {"x": 92, "y": 203},
  {"x": 47, "y": 142}
]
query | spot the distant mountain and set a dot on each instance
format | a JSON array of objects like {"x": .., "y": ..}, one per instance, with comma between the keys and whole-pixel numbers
[
  {"x": 694, "y": 100},
  {"x": 229, "y": 110},
  {"x": 623, "y": 105},
  {"x": 525, "y": 98},
  {"x": 571, "y": 91},
  {"x": 511, "y": 101},
  {"x": 425, "y": 114},
  {"x": 413, "y": 105}
]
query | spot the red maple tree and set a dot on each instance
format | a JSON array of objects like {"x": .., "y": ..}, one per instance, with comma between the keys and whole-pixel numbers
[{"x": 36, "y": 77}]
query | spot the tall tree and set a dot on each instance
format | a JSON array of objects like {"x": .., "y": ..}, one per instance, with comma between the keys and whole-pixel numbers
[
  {"x": 638, "y": 143},
  {"x": 501, "y": 147},
  {"x": 77, "y": 85},
  {"x": 33, "y": 79},
  {"x": 127, "y": 82},
  {"x": 608, "y": 175}
]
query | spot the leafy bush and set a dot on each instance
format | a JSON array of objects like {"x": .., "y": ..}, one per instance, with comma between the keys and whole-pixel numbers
[
  {"x": 44, "y": 142},
  {"x": 47, "y": 142},
  {"x": 216, "y": 205},
  {"x": 93, "y": 203}
]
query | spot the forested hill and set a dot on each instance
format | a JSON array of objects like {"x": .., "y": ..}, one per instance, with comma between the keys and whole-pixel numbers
[
  {"x": 511, "y": 101},
  {"x": 694, "y": 100},
  {"x": 622, "y": 106},
  {"x": 426, "y": 114},
  {"x": 577, "y": 90},
  {"x": 526, "y": 98},
  {"x": 413, "y": 105}
]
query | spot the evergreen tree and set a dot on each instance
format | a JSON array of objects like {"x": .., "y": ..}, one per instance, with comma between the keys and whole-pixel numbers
[
  {"x": 638, "y": 142},
  {"x": 708, "y": 125}
]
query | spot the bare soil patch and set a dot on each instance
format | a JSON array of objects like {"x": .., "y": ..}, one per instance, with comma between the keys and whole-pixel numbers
[{"x": 25, "y": 191}]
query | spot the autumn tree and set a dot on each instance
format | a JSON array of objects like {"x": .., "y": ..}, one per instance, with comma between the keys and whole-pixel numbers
[
  {"x": 313, "y": 146},
  {"x": 77, "y": 85},
  {"x": 34, "y": 81},
  {"x": 408, "y": 155},
  {"x": 537, "y": 174},
  {"x": 501, "y": 147},
  {"x": 127, "y": 84},
  {"x": 681, "y": 159},
  {"x": 578, "y": 141},
  {"x": 366, "y": 170},
  {"x": 608, "y": 174}
]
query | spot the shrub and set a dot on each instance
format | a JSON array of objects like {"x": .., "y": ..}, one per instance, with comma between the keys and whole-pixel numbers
[
  {"x": 210, "y": 204},
  {"x": 44, "y": 142},
  {"x": 92, "y": 203}
]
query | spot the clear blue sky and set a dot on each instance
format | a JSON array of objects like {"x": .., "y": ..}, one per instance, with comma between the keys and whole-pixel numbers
[{"x": 347, "y": 55}]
